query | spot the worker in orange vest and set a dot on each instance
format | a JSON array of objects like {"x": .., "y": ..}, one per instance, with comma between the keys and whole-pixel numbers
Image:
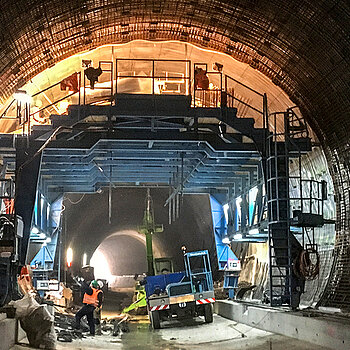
[{"x": 93, "y": 298}]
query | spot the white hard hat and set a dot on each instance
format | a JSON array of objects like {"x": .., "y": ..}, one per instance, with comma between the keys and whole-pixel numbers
[{"x": 100, "y": 284}]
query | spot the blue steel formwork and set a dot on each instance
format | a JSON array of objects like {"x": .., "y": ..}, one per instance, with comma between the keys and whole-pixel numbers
[
  {"x": 191, "y": 141},
  {"x": 223, "y": 250}
]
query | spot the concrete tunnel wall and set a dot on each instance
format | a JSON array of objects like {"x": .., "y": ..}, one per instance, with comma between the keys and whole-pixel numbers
[{"x": 86, "y": 226}]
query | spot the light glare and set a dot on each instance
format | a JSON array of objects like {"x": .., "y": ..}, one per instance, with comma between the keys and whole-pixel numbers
[
  {"x": 69, "y": 257},
  {"x": 101, "y": 266},
  {"x": 226, "y": 240},
  {"x": 226, "y": 207},
  {"x": 22, "y": 96}
]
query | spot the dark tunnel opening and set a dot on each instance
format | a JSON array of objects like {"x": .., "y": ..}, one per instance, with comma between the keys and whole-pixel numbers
[{"x": 119, "y": 246}]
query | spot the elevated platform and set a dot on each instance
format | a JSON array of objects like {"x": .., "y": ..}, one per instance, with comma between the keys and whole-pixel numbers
[{"x": 319, "y": 328}]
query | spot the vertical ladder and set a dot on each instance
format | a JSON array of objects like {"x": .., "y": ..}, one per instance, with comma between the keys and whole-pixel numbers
[
  {"x": 277, "y": 171},
  {"x": 287, "y": 136}
]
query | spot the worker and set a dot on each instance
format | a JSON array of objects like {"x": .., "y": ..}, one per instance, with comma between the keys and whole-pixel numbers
[
  {"x": 93, "y": 298},
  {"x": 201, "y": 79}
]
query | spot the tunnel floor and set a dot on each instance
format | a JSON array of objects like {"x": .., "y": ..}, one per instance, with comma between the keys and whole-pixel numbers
[{"x": 190, "y": 334}]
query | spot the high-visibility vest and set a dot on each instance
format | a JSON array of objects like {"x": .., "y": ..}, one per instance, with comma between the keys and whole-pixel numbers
[{"x": 93, "y": 298}]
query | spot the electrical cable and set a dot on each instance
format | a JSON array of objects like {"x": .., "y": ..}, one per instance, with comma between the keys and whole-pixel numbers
[
  {"x": 78, "y": 201},
  {"x": 303, "y": 266}
]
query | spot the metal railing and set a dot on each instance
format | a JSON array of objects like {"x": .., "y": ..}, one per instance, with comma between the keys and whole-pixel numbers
[
  {"x": 141, "y": 76},
  {"x": 152, "y": 76},
  {"x": 225, "y": 91}
]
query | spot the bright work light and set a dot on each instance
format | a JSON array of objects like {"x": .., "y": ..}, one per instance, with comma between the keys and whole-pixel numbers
[
  {"x": 69, "y": 257},
  {"x": 22, "y": 96},
  {"x": 226, "y": 240}
]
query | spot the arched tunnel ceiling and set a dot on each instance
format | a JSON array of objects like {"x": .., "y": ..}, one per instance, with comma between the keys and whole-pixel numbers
[
  {"x": 303, "y": 46},
  {"x": 250, "y": 89}
]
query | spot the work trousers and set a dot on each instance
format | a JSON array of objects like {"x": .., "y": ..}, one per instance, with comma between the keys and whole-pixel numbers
[
  {"x": 87, "y": 310},
  {"x": 97, "y": 319}
]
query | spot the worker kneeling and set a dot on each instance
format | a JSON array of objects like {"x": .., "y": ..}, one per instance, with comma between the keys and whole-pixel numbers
[{"x": 93, "y": 298}]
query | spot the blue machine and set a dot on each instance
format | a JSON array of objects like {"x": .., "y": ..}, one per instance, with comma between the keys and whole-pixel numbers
[
  {"x": 227, "y": 260},
  {"x": 45, "y": 233},
  {"x": 157, "y": 284},
  {"x": 182, "y": 294}
]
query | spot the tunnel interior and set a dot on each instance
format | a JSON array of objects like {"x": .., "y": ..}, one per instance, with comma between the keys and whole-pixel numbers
[
  {"x": 119, "y": 258},
  {"x": 297, "y": 52},
  {"x": 118, "y": 249},
  {"x": 247, "y": 108}
]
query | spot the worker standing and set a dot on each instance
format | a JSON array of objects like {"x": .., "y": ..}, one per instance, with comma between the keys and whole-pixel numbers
[
  {"x": 93, "y": 298},
  {"x": 201, "y": 79}
]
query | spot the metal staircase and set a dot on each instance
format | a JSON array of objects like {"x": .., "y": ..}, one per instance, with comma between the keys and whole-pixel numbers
[{"x": 287, "y": 136}]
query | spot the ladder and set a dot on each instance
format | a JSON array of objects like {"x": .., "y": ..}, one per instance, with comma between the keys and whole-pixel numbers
[
  {"x": 286, "y": 133},
  {"x": 277, "y": 182}
]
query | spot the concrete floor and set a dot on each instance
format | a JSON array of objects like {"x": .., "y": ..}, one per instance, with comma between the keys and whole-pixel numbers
[{"x": 190, "y": 334}]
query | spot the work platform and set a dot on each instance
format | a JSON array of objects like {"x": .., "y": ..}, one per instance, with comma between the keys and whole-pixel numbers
[{"x": 145, "y": 140}]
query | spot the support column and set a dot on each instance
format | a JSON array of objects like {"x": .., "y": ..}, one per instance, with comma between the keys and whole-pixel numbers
[{"x": 27, "y": 171}]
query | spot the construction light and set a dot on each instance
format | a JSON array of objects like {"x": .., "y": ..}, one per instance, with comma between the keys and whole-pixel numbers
[
  {"x": 22, "y": 96},
  {"x": 226, "y": 240},
  {"x": 69, "y": 257},
  {"x": 84, "y": 259},
  {"x": 237, "y": 236},
  {"x": 35, "y": 230},
  {"x": 218, "y": 66}
]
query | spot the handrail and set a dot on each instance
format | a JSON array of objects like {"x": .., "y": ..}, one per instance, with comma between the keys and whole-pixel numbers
[
  {"x": 3, "y": 115},
  {"x": 218, "y": 97},
  {"x": 52, "y": 104},
  {"x": 246, "y": 86},
  {"x": 185, "y": 76}
]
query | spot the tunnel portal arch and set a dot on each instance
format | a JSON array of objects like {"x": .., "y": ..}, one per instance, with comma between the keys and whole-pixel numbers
[{"x": 122, "y": 255}]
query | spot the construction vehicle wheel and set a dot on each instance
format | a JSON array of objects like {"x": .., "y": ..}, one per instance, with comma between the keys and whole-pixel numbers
[
  {"x": 155, "y": 319},
  {"x": 208, "y": 313}
]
